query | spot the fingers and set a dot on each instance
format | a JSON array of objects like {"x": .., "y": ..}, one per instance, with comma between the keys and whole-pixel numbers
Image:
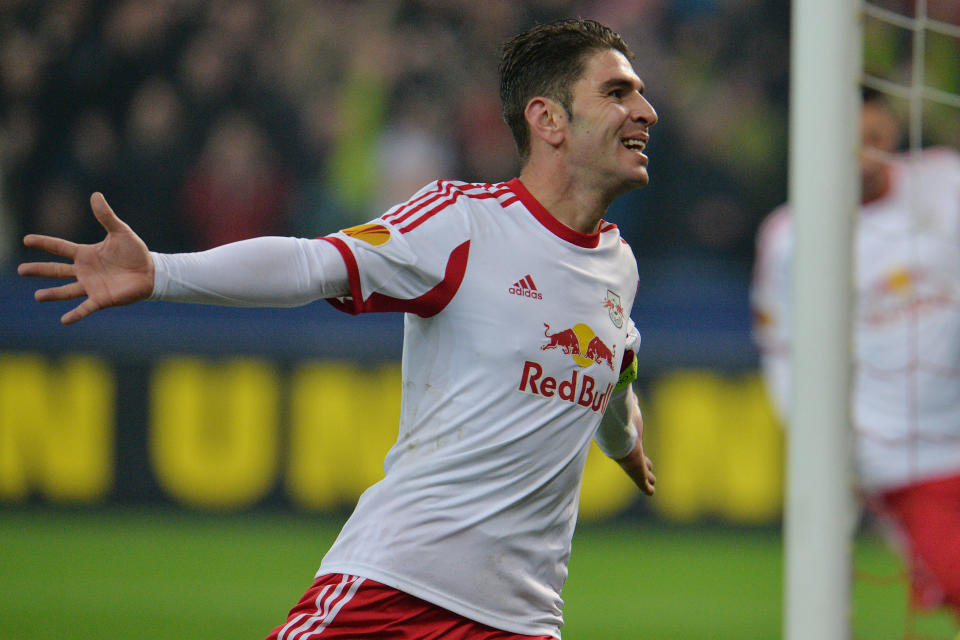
[
  {"x": 64, "y": 292},
  {"x": 56, "y": 246},
  {"x": 104, "y": 214},
  {"x": 47, "y": 269},
  {"x": 79, "y": 312},
  {"x": 649, "y": 486},
  {"x": 69, "y": 292},
  {"x": 649, "y": 480}
]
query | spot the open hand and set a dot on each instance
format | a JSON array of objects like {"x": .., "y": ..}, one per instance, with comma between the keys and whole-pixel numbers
[{"x": 116, "y": 271}]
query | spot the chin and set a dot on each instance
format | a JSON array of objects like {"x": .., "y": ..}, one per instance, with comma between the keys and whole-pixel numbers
[
  {"x": 639, "y": 181},
  {"x": 617, "y": 183}
]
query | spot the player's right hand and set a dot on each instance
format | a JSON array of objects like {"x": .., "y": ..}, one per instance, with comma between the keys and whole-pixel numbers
[{"x": 116, "y": 271}]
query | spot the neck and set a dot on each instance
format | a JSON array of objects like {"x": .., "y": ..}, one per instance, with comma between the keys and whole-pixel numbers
[{"x": 579, "y": 208}]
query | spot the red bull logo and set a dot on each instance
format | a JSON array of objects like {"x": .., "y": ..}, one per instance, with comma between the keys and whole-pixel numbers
[
  {"x": 582, "y": 344},
  {"x": 578, "y": 389}
]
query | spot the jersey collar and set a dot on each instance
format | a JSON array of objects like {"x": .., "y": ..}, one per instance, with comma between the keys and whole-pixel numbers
[{"x": 557, "y": 228}]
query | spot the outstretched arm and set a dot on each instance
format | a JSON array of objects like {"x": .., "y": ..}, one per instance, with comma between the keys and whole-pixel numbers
[
  {"x": 260, "y": 272},
  {"x": 116, "y": 271}
]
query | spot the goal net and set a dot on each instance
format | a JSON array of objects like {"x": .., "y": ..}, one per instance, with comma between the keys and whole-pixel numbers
[
  {"x": 911, "y": 56},
  {"x": 897, "y": 344}
]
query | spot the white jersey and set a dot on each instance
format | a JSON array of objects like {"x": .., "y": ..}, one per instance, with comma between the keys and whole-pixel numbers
[
  {"x": 515, "y": 330},
  {"x": 906, "y": 403}
]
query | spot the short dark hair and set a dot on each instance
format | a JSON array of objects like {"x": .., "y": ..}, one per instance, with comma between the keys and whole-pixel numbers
[
  {"x": 545, "y": 61},
  {"x": 869, "y": 95}
]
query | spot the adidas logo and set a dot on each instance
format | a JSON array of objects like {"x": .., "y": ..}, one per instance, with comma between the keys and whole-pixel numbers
[{"x": 524, "y": 287}]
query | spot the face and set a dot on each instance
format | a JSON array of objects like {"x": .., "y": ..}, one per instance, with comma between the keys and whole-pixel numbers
[
  {"x": 609, "y": 125},
  {"x": 880, "y": 134}
]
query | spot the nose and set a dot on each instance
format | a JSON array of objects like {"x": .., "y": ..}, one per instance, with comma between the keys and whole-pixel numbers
[{"x": 644, "y": 112}]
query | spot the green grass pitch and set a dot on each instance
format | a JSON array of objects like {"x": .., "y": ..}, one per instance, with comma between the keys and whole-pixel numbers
[{"x": 160, "y": 574}]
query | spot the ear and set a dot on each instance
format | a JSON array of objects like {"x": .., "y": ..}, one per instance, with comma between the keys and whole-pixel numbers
[{"x": 547, "y": 120}]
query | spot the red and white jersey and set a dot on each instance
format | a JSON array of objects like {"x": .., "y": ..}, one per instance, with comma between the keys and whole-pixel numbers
[
  {"x": 906, "y": 404},
  {"x": 515, "y": 330}
]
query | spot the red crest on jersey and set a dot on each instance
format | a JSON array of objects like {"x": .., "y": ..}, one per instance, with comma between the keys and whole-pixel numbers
[{"x": 612, "y": 304}]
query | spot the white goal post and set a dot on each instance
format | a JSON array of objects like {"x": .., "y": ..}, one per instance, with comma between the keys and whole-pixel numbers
[{"x": 823, "y": 193}]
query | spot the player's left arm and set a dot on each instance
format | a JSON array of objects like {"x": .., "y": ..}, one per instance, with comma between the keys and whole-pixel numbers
[{"x": 620, "y": 436}]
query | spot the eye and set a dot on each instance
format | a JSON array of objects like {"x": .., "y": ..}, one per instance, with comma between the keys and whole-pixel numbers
[{"x": 616, "y": 93}]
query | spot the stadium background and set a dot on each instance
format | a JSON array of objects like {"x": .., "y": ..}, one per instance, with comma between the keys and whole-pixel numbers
[{"x": 151, "y": 427}]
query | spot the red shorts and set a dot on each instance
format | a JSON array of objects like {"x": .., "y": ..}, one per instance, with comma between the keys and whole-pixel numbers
[
  {"x": 928, "y": 516},
  {"x": 338, "y": 606}
]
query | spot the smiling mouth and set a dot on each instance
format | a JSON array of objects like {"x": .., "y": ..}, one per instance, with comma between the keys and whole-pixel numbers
[{"x": 634, "y": 144}]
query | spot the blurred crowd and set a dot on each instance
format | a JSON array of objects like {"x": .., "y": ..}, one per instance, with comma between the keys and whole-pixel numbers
[{"x": 207, "y": 122}]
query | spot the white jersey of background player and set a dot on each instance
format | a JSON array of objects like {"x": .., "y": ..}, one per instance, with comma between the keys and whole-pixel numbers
[
  {"x": 906, "y": 392},
  {"x": 906, "y": 334}
]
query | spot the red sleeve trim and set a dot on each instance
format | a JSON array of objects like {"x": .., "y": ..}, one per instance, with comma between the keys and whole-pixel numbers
[
  {"x": 429, "y": 304},
  {"x": 353, "y": 276}
]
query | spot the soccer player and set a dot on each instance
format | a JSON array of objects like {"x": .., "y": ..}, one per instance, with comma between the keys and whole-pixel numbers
[
  {"x": 517, "y": 342},
  {"x": 906, "y": 402}
]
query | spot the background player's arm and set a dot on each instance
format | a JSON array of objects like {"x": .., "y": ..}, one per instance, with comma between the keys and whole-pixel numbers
[
  {"x": 770, "y": 302},
  {"x": 620, "y": 436}
]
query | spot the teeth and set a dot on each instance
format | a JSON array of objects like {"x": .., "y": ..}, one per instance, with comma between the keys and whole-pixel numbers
[{"x": 632, "y": 143}]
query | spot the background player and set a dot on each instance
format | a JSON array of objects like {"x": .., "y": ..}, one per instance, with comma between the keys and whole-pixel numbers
[
  {"x": 906, "y": 403},
  {"x": 469, "y": 533}
]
